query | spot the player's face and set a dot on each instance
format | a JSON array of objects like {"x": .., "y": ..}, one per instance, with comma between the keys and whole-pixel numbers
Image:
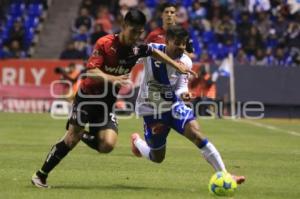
[
  {"x": 176, "y": 46},
  {"x": 169, "y": 16},
  {"x": 132, "y": 34}
]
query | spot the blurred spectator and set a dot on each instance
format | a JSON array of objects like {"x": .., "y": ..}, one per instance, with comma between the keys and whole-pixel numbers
[
  {"x": 259, "y": 5},
  {"x": 294, "y": 6},
  {"x": 281, "y": 26},
  {"x": 203, "y": 89},
  {"x": 281, "y": 58},
  {"x": 182, "y": 17},
  {"x": 84, "y": 18},
  {"x": 98, "y": 32},
  {"x": 272, "y": 40},
  {"x": 143, "y": 7},
  {"x": 82, "y": 35},
  {"x": 244, "y": 26},
  {"x": 225, "y": 28},
  {"x": 14, "y": 50},
  {"x": 90, "y": 6},
  {"x": 259, "y": 58},
  {"x": 125, "y": 5},
  {"x": 241, "y": 57},
  {"x": 71, "y": 74},
  {"x": 71, "y": 52},
  {"x": 128, "y": 3},
  {"x": 117, "y": 23},
  {"x": 295, "y": 54},
  {"x": 3, "y": 4},
  {"x": 81, "y": 40},
  {"x": 293, "y": 35},
  {"x": 263, "y": 24},
  {"x": 198, "y": 11},
  {"x": 215, "y": 10},
  {"x": 251, "y": 29},
  {"x": 104, "y": 19},
  {"x": 253, "y": 42},
  {"x": 17, "y": 33}
]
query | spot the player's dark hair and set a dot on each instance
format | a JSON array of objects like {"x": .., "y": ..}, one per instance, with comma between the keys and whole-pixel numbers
[
  {"x": 177, "y": 32},
  {"x": 165, "y": 5},
  {"x": 135, "y": 17}
]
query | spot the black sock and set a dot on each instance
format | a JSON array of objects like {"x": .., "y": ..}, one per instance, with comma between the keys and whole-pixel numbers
[
  {"x": 91, "y": 140},
  {"x": 57, "y": 153}
]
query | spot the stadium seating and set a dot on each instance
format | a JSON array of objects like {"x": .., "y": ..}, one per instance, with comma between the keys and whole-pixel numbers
[{"x": 30, "y": 13}]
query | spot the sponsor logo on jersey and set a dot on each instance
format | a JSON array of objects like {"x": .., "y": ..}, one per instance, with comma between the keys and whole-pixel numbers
[
  {"x": 120, "y": 70},
  {"x": 96, "y": 53}
]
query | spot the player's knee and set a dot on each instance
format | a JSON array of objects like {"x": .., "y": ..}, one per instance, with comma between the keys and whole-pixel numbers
[
  {"x": 157, "y": 158},
  {"x": 106, "y": 147}
]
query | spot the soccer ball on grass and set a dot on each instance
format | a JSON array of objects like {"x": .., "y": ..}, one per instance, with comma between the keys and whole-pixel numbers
[{"x": 222, "y": 184}]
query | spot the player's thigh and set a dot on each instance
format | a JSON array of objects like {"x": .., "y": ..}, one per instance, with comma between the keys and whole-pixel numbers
[{"x": 193, "y": 132}]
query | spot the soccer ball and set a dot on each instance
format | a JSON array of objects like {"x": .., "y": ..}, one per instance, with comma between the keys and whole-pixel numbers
[{"x": 222, "y": 184}]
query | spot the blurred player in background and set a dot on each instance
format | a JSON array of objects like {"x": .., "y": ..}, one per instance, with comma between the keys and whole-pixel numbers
[
  {"x": 160, "y": 102},
  {"x": 203, "y": 89},
  {"x": 108, "y": 67},
  {"x": 71, "y": 74},
  {"x": 168, "y": 17}
]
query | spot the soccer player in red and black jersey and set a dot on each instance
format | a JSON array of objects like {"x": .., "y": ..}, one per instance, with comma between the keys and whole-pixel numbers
[
  {"x": 168, "y": 15},
  {"x": 112, "y": 59}
]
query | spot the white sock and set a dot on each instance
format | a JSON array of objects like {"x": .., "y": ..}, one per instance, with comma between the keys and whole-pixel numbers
[
  {"x": 213, "y": 157},
  {"x": 143, "y": 147}
]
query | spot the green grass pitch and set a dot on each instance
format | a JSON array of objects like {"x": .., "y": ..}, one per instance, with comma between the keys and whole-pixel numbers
[{"x": 268, "y": 156}]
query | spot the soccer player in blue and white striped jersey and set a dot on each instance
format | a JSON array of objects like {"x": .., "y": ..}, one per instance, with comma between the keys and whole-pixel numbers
[{"x": 161, "y": 104}]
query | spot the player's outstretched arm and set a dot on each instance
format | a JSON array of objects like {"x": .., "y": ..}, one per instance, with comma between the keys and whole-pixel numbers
[
  {"x": 159, "y": 55},
  {"x": 97, "y": 74}
]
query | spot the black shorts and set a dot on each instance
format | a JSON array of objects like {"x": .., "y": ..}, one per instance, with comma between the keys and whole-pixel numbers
[{"x": 95, "y": 112}]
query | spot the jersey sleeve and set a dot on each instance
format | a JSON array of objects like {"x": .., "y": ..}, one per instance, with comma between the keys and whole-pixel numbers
[
  {"x": 145, "y": 50},
  {"x": 182, "y": 82},
  {"x": 149, "y": 38},
  {"x": 96, "y": 59}
]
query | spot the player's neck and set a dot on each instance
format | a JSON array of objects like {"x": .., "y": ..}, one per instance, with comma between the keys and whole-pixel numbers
[
  {"x": 122, "y": 39},
  {"x": 166, "y": 26}
]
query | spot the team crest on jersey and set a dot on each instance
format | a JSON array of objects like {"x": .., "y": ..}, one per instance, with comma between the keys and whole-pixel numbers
[
  {"x": 135, "y": 50},
  {"x": 96, "y": 53}
]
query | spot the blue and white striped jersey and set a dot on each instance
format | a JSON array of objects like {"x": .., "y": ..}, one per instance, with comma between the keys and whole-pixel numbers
[{"x": 161, "y": 85}]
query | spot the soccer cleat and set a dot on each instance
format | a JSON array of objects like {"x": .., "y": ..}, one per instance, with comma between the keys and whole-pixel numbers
[
  {"x": 134, "y": 149},
  {"x": 239, "y": 179},
  {"x": 39, "y": 181}
]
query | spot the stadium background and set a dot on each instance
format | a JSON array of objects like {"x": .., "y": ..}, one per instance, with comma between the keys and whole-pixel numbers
[{"x": 37, "y": 36}]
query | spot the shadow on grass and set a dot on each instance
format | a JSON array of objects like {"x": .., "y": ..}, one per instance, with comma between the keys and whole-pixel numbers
[{"x": 117, "y": 187}]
